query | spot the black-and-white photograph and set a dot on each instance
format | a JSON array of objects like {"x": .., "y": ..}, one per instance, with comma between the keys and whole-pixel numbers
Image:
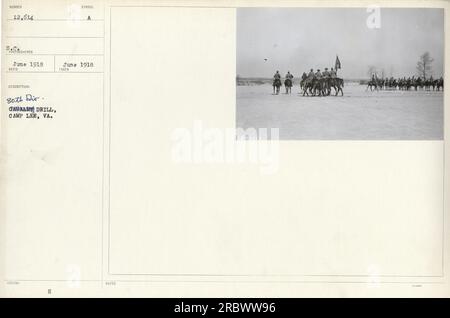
[{"x": 341, "y": 73}]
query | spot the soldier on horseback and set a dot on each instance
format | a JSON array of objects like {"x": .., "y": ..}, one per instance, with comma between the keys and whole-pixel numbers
[
  {"x": 288, "y": 82},
  {"x": 326, "y": 81},
  {"x": 440, "y": 84},
  {"x": 333, "y": 73},
  {"x": 276, "y": 83},
  {"x": 277, "y": 75},
  {"x": 373, "y": 83},
  {"x": 307, "y": 82},
  {"x": 318, "y": 83},
  {"x": 289, "y": 76},
  {"x": 335, "y": 82},
  {"x": 303, "y": 80},
  {"x": 318, "y": 75}
]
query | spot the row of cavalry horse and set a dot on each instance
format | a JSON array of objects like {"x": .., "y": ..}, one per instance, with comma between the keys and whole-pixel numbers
[
  {"x": 407, "y": 84},
  {"x": 323, "y": 86},
  {"x": 312, "y": 86}
]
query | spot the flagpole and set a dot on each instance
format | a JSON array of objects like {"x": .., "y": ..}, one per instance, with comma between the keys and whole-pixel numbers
[{"x": 337, "y": 64}]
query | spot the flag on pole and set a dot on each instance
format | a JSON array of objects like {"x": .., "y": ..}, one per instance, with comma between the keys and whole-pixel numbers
[{"x": 337, "y": 64}]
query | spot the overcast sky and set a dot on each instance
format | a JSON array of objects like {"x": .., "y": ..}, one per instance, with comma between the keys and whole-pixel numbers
[{"x": 298, "y": 39}]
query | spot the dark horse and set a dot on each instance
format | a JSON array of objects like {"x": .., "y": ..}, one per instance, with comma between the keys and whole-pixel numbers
[
  {"x": 276, "y": 86},
  {"x": 337, "y": 84},
  {"x": 373, "y": 83},
  {"x": 314, "y": 87},
  {"x": 322, "y": 86},
  {"x": 439, "y": 84},
  {"x": 288, "y": 85},
  {"x": 307, "y": 85}
]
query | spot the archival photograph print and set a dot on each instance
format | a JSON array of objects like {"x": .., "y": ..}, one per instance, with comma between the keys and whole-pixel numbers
[{"x": 341, "y": 73}]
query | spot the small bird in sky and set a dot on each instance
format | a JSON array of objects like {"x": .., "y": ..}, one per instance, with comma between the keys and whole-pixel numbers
[{"x": 265, "y": 60}]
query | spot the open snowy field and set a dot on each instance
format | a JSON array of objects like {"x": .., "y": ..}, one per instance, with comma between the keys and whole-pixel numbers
[{"x": 359, "y": 114}]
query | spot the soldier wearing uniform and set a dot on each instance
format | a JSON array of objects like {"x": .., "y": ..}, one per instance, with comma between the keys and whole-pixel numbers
[
  {"x": 326, "y": 75},
  {"x": 318, "y": 75},
  {"x": 311, "y": 75},
  {"x": 277, "y": 75},
  {"x": 333, "y": 73},
  {"x": 288, "y": 82}
]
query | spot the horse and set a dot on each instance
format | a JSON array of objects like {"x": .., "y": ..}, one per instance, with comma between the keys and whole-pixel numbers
[
  {"x": 326, "y": 86},
  {"x": 427, "y": 84},
  {"x": 439, "y": 84},
  {"x": 276, "y": 86},
  {"x": 306, "y": 85},
  {"x": 417, "y": 83},
  {"x": 302, "y": 83},
  {"x": 288, "y": 85},
  {"x": 314, "y": 86},
  {"x": 321, "y": 86},
  {"x": 373, "y": 83},
  {"x": 337, "y": 83},
  {"x": 391, "y": 84}
]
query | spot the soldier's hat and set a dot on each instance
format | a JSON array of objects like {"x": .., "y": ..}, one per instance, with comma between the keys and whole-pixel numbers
[
  {"x": 326, "y": 68},
  {"x": 318, "y": 70},
  {"x": 311, "y": 70},
  {"x": 331, "y": 68}
]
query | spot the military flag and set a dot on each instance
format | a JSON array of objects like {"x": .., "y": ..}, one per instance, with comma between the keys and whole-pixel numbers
[{"x": 337, "y": 64}]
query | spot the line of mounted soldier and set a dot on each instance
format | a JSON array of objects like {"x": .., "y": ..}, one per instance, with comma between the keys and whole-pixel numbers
[
  {"x": 314, "y": 84},
  {"x": 406, "y": 83}
]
